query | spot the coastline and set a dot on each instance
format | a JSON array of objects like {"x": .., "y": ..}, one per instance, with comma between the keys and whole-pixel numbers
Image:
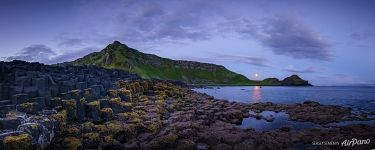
[{"x": 134, "y": 113}]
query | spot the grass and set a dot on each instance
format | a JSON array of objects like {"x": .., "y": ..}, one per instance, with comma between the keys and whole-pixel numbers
[{"x": 151, "y": 66}]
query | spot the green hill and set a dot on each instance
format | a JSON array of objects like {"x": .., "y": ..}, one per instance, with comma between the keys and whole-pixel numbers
[{"x": 120, "y": 56}]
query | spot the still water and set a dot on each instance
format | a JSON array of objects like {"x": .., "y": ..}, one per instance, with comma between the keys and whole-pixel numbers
[{"x": 359, "y": 98}]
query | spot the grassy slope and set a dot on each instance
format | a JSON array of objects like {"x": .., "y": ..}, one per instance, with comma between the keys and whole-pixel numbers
[{"x": 121, "y": 57}]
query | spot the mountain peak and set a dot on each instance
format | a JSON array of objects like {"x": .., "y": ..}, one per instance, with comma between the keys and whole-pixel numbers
[{"x": 117, "y": 43}]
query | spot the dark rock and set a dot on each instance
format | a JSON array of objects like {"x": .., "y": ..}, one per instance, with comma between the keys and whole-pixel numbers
[
  {"x": 201, "y": 146},
  {"x": 10, "y": 123},
  {"x": 93, "y": 110},
  {"x": 20, "y": 98},
  {"x": 29, "y": 108},
  {"x": 222, "y": 147}
]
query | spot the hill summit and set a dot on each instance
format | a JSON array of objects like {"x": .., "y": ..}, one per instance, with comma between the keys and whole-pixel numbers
[{"x": 120, "y": 56}]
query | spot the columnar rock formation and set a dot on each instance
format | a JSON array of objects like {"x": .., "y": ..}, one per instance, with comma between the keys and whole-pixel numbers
[{"x": 37, "y": 84}]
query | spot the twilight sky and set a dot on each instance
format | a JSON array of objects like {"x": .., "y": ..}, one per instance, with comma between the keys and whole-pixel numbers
[{"x": 326, "y": 42}]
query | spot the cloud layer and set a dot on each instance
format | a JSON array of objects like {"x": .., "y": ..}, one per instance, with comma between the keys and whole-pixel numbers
[
  {"x": 290, "y": 37},
  {"x": 155, "y": 22},
  {"x": 43, "y": 54},
  {"x": 285, "y": 35},
  {"x": 34, "y": 53},
  {"x": 292, "y": 69}
]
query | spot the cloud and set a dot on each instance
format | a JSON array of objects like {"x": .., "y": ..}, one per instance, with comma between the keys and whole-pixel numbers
[
  {"x": 284, "y": 35},
  {"x": 292, "y": 69},
  {"x": 70, "y": 42},
  {"x": 362, "y": 35},
  {"x": 34, "y": 53},
  {"x": 43, "y": 54},
  {"x": 73, "y": 55},
  {"x": 289, "y": 36},
  {"x": 151, "y": 21},
  {"x": 251, "y": 60}
]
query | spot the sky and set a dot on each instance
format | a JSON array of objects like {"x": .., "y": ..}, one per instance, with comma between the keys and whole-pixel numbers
[{"x": 326, "y": 42}]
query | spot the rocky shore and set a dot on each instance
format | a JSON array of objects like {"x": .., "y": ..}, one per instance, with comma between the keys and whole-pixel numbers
[{"x": 118, "y": 110}]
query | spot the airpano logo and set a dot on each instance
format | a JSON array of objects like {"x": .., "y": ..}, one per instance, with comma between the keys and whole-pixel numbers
[{"x": 354, "y": 142}]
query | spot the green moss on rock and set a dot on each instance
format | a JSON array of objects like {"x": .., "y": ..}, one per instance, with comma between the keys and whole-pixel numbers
[{"x": 17, "y": 142}]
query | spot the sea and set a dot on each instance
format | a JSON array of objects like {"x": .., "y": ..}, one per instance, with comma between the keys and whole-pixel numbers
[{"x": 359, "y": 98}]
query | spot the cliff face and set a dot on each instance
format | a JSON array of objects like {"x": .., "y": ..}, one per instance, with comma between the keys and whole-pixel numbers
[{"x": 120, "y": 56}]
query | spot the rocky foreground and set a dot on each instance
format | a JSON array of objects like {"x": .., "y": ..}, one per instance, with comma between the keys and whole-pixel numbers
[{"x": 133, "y": 113}]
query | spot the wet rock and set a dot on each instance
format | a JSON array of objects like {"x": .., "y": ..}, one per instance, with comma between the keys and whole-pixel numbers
[
  {"x": 285, "y": 128},
  {"x": 269, "y": 118},
  {"x": 258, "y": 116}
]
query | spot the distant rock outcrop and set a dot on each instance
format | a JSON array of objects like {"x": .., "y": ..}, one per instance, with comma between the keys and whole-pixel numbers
[{"x": 293, "y": 80}]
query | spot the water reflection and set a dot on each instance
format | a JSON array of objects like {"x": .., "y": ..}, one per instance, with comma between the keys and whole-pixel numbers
[{"x": 256, "y": 96}]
